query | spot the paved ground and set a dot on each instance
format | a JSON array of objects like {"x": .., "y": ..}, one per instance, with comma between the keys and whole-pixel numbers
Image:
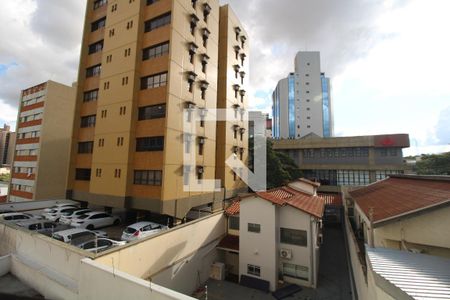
[{"x": 334, "y": 281}]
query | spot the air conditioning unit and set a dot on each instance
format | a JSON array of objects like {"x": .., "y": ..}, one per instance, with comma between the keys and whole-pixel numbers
[{"x": 286, "y": 253}]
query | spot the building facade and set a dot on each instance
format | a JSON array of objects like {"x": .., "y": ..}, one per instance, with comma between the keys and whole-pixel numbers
[
  {"x": 346, "y": 161},
  {"x": 302, "y": 101},
  {"x": 41, "y": 157},
  {"x": 7, "y": 143},
  {"x": 142, "y": 64},
  {"x": 232, "y": 135},
  {"x": 275, "y": 235}
]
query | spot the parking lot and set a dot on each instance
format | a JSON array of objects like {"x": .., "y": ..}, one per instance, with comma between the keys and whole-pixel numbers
[{"x": 49, "y": 222}]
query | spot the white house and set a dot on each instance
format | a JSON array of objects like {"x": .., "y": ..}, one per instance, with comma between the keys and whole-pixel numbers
[{"x": 279, "y": 236}]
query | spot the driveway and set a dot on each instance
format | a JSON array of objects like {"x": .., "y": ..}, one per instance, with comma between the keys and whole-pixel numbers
[{"x": 333, "y": 283}]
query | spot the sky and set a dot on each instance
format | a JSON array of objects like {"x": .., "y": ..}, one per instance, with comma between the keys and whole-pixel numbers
[{"x": 388, "y": 60}]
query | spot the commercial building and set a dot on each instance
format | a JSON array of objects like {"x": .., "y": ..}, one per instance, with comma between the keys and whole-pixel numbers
[
  {"x": 346, "y": 161},
  {"x": 275, "y": 235},
  {"x": 7, "y": 143},
  {"x": 264, "y": 131},
  {"x": 232, "y": 135},
  {"x": 302, "y": 101},
  {"x": 142, "y": 64},
  {"x": 44, "y": 127}
]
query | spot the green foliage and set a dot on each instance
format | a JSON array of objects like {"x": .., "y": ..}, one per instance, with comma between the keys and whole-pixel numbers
[
  {"x": 434, "y": 164},
  {"x": 280, "y": 168},
  {"x": 5, "y": 177}
]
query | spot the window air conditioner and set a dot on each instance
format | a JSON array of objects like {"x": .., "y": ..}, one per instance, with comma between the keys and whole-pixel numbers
[{"x": 286, "y": 253}]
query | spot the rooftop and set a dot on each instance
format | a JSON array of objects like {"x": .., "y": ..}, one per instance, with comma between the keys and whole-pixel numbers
[
  {"x": 398, "y": 196},
  {"x": 313, "y": 205},
  {"x": 418, "y": 275},
  {"x": 229, "y": 242}
]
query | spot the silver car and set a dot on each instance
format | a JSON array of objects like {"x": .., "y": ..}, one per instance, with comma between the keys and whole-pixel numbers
[
  {"x": 66, "y": 217},
  {"x": 141, "y": 230}
]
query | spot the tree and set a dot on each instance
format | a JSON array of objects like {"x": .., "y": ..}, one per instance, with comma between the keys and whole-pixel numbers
[{"x": 434, "y": 164}]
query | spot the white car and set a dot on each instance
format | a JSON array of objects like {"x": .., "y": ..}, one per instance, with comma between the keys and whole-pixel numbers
[
  {"x": 56, "y": 213},
  {"x": 59, "y": 206},
  {"x": 66, "y": 217},
  {"x": 100, "y": 244},
  {"x": 17, "y": 216},
  {"x": 95, "y": 219},
  {"x": 141, "y": 230},
  {"x": 77, "y": 235}
]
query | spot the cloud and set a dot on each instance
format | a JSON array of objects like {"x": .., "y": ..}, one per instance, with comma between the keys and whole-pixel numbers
[
  {"x": 40, "y": 43},
  {"x": 443, "y": 127}
]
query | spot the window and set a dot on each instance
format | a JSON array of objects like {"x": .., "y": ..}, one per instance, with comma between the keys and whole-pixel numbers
[
  {"x": 99, "y": 3},
  {"x": 113, "y": 7},
  {"x": 383, "y": 152},
  {"x": 154, "y": 81},
  {"x": 150, "y": 144},
  {"x": 120, "y": 141},
  {"x": 88, "y": 121},
  {"x": 233, "y": 222},
  {"x": 100, "y": 23},
  {"x": 193, "y": 3},
  {"x": 152, "y": 112},
  {"x": 254, "y": 227},
  {"x": 111, "y": 32},
  {"x": 193, "y": 22},
  {"x": 98, "y": 172},
  {"x": 129, "y": 25},
  {"x": 206, "y": 12},
  {"x": 93, "y": 71},
  {"x": 90, "y": 95},
  {"x": 150, "y": 2},
  {"x": 109, "y": 58},
  {"x": 96, "y": 47},
  {"x": 117, "y": 173},
  {"x": 82, "y": 174},
  {"x": 127, "y": 52},
  {"x": 147, "y": 177},
  {"x": 101, "y": 142},
  {"x": 155, "y": 51},
  {"x": 125, "y": 80},
  {"x": 295, "y": 271},
  {"x": 253, "y": 270},
  {"x": 393, "y": 152},
  {"x": 157, "y": 22},
  {"x": 104, "y": 113},
  {"x": 293, "y": 237},
  {"x": 85, "y": 147},
  {"x": 205, "y": 36}
]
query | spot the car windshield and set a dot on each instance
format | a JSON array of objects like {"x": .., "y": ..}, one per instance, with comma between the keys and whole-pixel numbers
[
  {"x": 83, "y": 217},
  {"x": 130, "y": 230}
]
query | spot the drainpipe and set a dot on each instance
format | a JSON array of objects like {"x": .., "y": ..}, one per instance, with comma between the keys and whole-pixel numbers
[
  {"x": 371, "y": 238},
  {"x": 311, "y": 248}
]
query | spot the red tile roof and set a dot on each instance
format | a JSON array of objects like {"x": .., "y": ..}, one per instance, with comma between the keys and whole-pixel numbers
[
  {"x": 229, "y": 242},
  {"x": 394, "y": 197},
  {"x": 282, "y": 196},
  {"x": 331, "y": 199}
]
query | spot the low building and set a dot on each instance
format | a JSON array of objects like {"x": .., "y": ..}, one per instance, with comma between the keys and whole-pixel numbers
[
  {"x": 407, "y": 212},
  {"x": 275, "y": 235},
  {"x": 44, "y": 128},
  {"x": 346, "y": 161}
]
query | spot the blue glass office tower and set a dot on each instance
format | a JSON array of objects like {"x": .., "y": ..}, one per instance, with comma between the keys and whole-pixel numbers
[
  {"x": 291, "y": 105},
  {"x": 326, "y": 105}
]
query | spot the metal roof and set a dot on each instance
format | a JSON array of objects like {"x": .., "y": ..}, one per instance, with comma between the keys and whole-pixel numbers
[{"x": 420, "y": 276}]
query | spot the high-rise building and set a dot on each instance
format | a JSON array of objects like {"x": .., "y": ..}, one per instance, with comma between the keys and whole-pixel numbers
[
  {"x": 7, "y": 142},
  {"x": 142, "y": 64},
  {"x": 302, "y": 101},
  {"x": 232, "y": 136},
  {"x": 44, "y": 128}
]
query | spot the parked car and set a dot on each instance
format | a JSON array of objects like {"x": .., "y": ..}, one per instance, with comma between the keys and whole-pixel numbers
[
  {"x": 100, "y": 244},
  {"x": 44, "y": 227},
  {"x": 61, "y": 205},
  {"x": 17, "y": 216},
  {"x": 141, "y": 230},
  {"x": 76, "y": 236},
  {"x": 56, "y": 213},
  {"x": 66, "y": 217},
  {"x": 95, "y": 219}
]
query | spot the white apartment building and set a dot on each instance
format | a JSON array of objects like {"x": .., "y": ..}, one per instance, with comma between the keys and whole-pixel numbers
[
  {"x": 302, "y": 101},
  {"x": 279, "y": 236}
]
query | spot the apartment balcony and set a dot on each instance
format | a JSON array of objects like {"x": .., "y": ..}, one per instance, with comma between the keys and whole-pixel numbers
[
  {"x": 22, "y": 194},
  {"x": 26, "y": 158},
  {"x": 30, "y": 123},
  {"x": 34, "y": 140}
]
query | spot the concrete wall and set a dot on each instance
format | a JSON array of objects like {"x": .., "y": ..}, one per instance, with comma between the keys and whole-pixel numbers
[
  {"x": 32, "y": 205},
  {"x": 5, "y": 264},
  {"x": 259, "y": 249},
  {"x": 427, "y": 232},
  {"x": 179, "y": 259},
  {"x": 102, "y": 282}
]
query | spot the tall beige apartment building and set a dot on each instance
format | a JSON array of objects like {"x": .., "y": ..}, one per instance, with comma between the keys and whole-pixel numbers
[
  {"x": 7, "y": 142},
  {"x": 143, "y": 62},
  {"x": 41, "y": 158},
  {"x": 233, "y": 80}
]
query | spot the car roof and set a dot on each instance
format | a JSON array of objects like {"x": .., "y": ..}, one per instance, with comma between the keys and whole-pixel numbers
[
  {"x": 96, "y": 212},
  {"x": 13, "y": 214},
  {"x": 142, "y": 224},
  {"x": 73, "y": 231}
]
